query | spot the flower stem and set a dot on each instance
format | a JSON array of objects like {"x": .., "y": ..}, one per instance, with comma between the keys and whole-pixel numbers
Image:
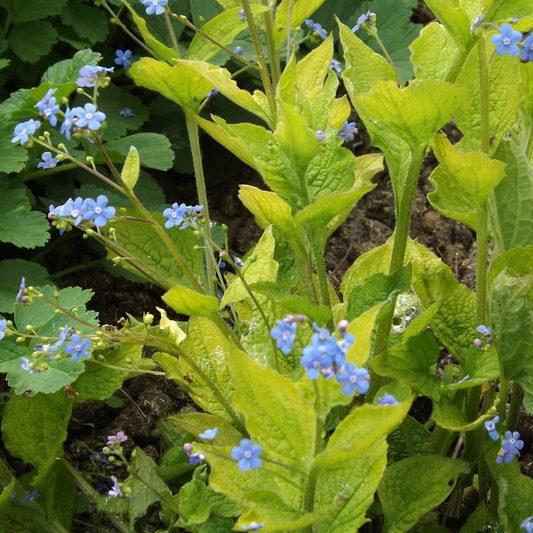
[
  {"x": 322, "y": 275},
  {"x": 514, "y": 409},
  {"x": 387, "y": 57},
  {"x": 172, "y": 34},
  {"x": 273, "y": 56}
]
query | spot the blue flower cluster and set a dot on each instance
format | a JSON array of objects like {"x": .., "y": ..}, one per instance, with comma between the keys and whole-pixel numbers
[
  {"x": 327, "y": 356},
  {"x": 194, "y": 458},
  {"x": 511, "y": 444},
  {"x": 527, "y": 524},
  {"x": 317, "y": 28},
  {"x": 82, "y": 210},
  {"x": 180, "y": 215},
  {"x": 364, "y": 19},
  {"x": 285, "y": 334},
  {"x": 508, "y": 41},
  {"x": 486, "y": 340}
]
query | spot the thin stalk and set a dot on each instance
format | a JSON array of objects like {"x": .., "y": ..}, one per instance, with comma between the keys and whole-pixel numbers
[
  {"x": 401, "y": 235},
  {"x": 130, "y": 370},
  {"x": 481, "y": 266},
  {"x": 194, "y": 138},
  {"x": 388, "y": 57},
  {"x": 7, "y": 25},
  {"x": 45, "y": 172},
  {"x": 514, "y": 409},
  {"x": 503, "y": 395},
  {"x": 67, "y": 313},
  {"x": 289, "y": 17},
  {"x": 93, "y": 495},
  {"x": 273, "y": 56},
  {"x": 172, "y": 34},
  {"x": 162, "y": 234},
  {"x": 484, "y": 97},
  {"x": 322, "y": 275},
  {"x": 263, "y": 69},
  {"x": 310, "y": 490}
]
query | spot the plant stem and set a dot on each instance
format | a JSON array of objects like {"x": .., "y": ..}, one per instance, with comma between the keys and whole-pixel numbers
[
  {"x": 194, "y": 138},
  {"x": 484, "y": 97},
  {"x": 263, "y": 69},
  {"x": 514, "y": 409},
  {"x": 481, "y": 266},
  {"x": 322, "y": 274},
  {"x": 172, "y": 34},
  {"x": 273, "y": 56},
  {"x": 401, "y": 235},
  {"x": 388, "y": 57}
]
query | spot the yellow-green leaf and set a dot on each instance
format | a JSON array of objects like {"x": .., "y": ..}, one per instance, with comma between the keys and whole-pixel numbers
[
  {"x": 131, "y": 168},
  {"x": 188, "y": 302}
]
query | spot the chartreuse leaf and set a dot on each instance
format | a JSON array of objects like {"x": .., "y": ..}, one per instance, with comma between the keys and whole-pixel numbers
[
  {"x": 223, "y": 29},
  {"x": 314, "y": 67},
  {"x": 145, "y": 485},
  {"x": 221, "y": 79},
  {"x": 99, "y": 382},
  {"x": 179, "y": 83},
  {"x": 413, "y": 113},
  {"x": 414, "y": 486},
  {"x": 300, "y": 10},
  {"x": 505, "y": 95},
  {"x": 411, "y": 362},
  {"x": 131, "y": 168},
  {"x": 479, "y": 519},
  {"x": 196, "y": 423},
  {"x": 512, "y": 203},
  {"x": 11, "y": 271},
  {"x": 260, "y": 266},
  {"x": 454, "y": 19},
  {"x": 35, "y": 427},
  {"x": 454, "y": 323},
  {"x": 453, "y": 418},
  {"x": 518, "y": 262},
  {"x": 339, "y": 112},
  {"x": 433, "y": 52},
  {"x": 474, "y": 174},
  {"x": 359, "y": 432},
  {"x": 160, "y": 50},
  {"x": 15, "y": 213},
  {"x": 512, "y": 322},
  {"x": 357, "y": 482},
  {"x": 142, "y": 241},
  {"x": 515, "y": 502},
  {"x": 363, "y": 65}
]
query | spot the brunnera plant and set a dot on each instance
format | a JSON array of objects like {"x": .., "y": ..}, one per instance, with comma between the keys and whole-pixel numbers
[{"x": 304, "y": 396}]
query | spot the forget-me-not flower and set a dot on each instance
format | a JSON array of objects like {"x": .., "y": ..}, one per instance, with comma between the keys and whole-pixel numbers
[
  {"x": 116, "y": 439},
  {"x": 526, "y": 54},
  {"x": 209, "y": 434},
  {"x": 77, "y": 347},
  {"x": 126, "y": 113},
  {"x": 49, "y": 110},
  {"x": 253, "y": 526},
  {"x": 527, "y": 524},
  {"x": 506, "y": 40},
  {"x": 387, "y": 399},
  {"x": 285, "y": 335},
  {"x": 513, "y": 438},
  {"x": 348, "y": 131},
  {"x": 26, "y": 365},
  {"x": 354, "y": 379},
  {"x": 247, "y": 455},
  {"x": 155, "y": 6},
  {"x": 507, "y": 453},
  {"x": 363, "y": 19},
  {"x": 174, "y": 214},
  {"x": 115, "y": 491},
  {"x": 24, "y": 130},
  {"x": 123, "y": 58},
  {"x": 490, "y": 426},
  {"x": 48, "y": 161},
  {"x": 45, "y": 99},
  {"x": 98, "y": 211},
  {"x": 3, "y": 326},
  {"x": 68, "y": 121},
  {"x": 89, "y": 117}
]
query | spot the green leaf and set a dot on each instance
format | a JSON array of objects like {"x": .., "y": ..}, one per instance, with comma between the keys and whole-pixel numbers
[
  {"x": 154, "y": 149},
  {"x": 482, "y": 367},
  {"x": 68, "y": 70},
  {"x": 144, "y": 485},
  {"x": 472, "y": 174},
  {"x": 512, "y": 203},
  {"x": 188, "y": 302},
  {"x": 433, "y": 52},
  {"x": 143, "y": 242},
  {"x": 13, "y": 157},
  {"x": 313, "y": 68},
  {"x": 512, "y": 322},
  {"x": 414, "y": 113},
  {"x": 454, "y": 19},
  {"x": 454, "y": 323},
  {"x": 454, "y": 419},
  {"x": 418, "y": 435},
  {"x": 32, "y": 40},
  {"x": 518, "y": 262},
  {"x": 196, "y": 423},
  {"x": 414, "y": 486},
  {"x": 412, "y": 362},
  {"x": 359, "y": 432},
  {"x": 131, "y": 169},
  {"x": 15, "y": 212},
  {"x": 35, "y": 427},
  {"x": 99, "y": 382},
  {"x": 40, "y": 9},
  {"x": 88, "y": 21},
  {"x": 194, "y": 507},
  {"x": 357, "y": 481},
  {"x": 223, "y": 29},
  {"x": 515, "y": 502},
  {"x": 180, "y": 83},
  {"x": 11, "y": 271},
  {"x": 479, "y": 519}
]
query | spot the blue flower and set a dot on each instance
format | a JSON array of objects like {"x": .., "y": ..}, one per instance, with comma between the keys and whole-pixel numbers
[
  {"x": 253, "y": 526},
  {"x": 74, "y": 209},
  {"x": 24, "y": 130},
  {"x": 477, "y": 22},
  {"x": 320, "y": 135},
  {"x": 507, "y": 453},
  {"x": 527, "y": 524},
  {"x": 26, "y": 365},
  {"x": 98, "y": 211},
  {"x": 285, "y": 335},
  {"x": 77, "y": 347},
  {"x": 209, "y": 434},
  {"x": 48, "y": 161},
  {"x": 247, "y": 455},
  {"x": 354, "y": 379},
  {"x": 319, "y": 30},
  {"x": 336, "y": 66},
  {"x": 347, "y": 131},
  {"x": 194, "y": 458},
  {"x": 123, "y": 58},
  {"x": 49, "y": 110},
  {"x": 3, "y": 326},
  {"x": 309, "y": 23},
  {"x": 238, "y": 262},
  {"x": 527, "y": 52},
  {"x": 238, "y": 50},
  {"x": 88, "y": 75},
  {"x": 68, "y": 120},
  {"x": 506, "y": 40},
  {"x": 242, "y": 14},
  {"x": 112, "y": 440},
  {"x": 126, "y": 113},
  {"x": 387, "y": 399},
  {"x": 490, "y": 426},
  {"x": 213, "y": 92},
  {"x": 45, "y": 99},
  {"x": 174, "y": 214},
  {"x": 514, "y": 440},
  {"x": 363, "y": 19},
  {"x": 154, "y": 6},
  {"x": 313, "y": 359},
  {"x": 30, "y": 497},
  {"x": 89, "y": 117},
  {"x": 484, "y": 330},
  {"x": 20, "y": 293},
  {"x": 115, "y": 491}
]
